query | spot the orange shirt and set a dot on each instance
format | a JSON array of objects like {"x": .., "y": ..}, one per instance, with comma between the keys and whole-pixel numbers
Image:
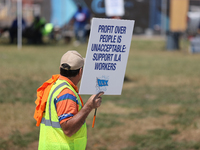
[{"x": 67, "y": 103}]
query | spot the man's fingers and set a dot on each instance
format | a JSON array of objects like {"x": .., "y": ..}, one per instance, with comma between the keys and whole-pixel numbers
[
  {"x": 99, "y": 94},
  {"x": 97, "y": 99}
]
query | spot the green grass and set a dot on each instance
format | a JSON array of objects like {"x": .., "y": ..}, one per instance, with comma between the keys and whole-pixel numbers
[
  {"x": 158, "y": 109},
  {"x": 108, "y": 121},
  {"x": 160, "y": 139},
  {"x": 23, "y": 140}
]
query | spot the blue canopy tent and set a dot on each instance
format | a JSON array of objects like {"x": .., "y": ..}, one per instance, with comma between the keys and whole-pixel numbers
[{"x": 62, "y": 12}]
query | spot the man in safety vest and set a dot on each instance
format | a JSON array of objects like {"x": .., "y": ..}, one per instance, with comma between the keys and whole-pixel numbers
[{"x": 60, "y": 111}]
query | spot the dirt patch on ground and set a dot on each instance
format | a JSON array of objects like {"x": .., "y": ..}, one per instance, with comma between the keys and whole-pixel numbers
[
  {"x": 110, "y": 107},
  {"x": 32, "y": 146},
  {"x": 16, "y": 116},
  {"x": 188, "y": 135},
  {"x": 191, "y": 133},
  {"x": 170, "y": 109}
]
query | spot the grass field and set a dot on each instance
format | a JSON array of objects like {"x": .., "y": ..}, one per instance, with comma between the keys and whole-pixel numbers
[{"x": 158, "y": 109}]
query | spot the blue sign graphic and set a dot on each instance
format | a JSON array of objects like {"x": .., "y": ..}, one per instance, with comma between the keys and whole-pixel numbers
[{"x": 102, "y": 82}]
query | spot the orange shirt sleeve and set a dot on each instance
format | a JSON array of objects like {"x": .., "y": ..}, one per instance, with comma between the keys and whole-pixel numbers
[{"x": 66, "y": 105}]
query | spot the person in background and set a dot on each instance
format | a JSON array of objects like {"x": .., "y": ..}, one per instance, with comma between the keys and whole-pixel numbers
[
  {"x": 37, "y": 27},
  {"x": 81, "y": 19},
  {"x": 60, "y": 111},
  {"x": 14, "y": 27},
  {"x": 199, "y": 29}
]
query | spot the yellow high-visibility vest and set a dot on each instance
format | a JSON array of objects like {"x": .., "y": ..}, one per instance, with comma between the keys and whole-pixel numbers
[{"x": 52, "y": 136}]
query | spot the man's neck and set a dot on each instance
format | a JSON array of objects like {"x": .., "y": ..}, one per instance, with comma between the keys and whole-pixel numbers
[{"x": 74, "y": 80}]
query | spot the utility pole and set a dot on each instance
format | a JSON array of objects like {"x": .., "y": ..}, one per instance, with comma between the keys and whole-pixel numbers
[
  {"x": 164, "y": 17},
  {"x": 19, "y": 21}
]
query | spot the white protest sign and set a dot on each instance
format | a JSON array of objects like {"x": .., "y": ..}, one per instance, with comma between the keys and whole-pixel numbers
[
  {"x": 106, "y": 57},
  {"x": 114, "y": 7}
]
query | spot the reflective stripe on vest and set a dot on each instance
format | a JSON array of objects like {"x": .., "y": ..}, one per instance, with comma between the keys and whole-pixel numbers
[{"x": 50, "y": 123}]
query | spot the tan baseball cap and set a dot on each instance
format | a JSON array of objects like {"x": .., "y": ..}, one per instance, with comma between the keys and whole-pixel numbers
[{"x": 73, "y": 59}]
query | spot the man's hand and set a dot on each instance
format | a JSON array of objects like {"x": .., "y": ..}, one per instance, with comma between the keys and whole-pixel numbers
[
  {"x": 74, "y": 124},
  {"x": 95, "y": 100}
]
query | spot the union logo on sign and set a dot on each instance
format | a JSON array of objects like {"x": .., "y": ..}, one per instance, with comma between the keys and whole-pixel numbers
[{"x": 102, "y": 83}]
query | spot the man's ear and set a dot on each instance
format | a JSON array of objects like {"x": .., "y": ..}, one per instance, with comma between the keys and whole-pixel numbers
[{"x": 81, "y": 71}]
